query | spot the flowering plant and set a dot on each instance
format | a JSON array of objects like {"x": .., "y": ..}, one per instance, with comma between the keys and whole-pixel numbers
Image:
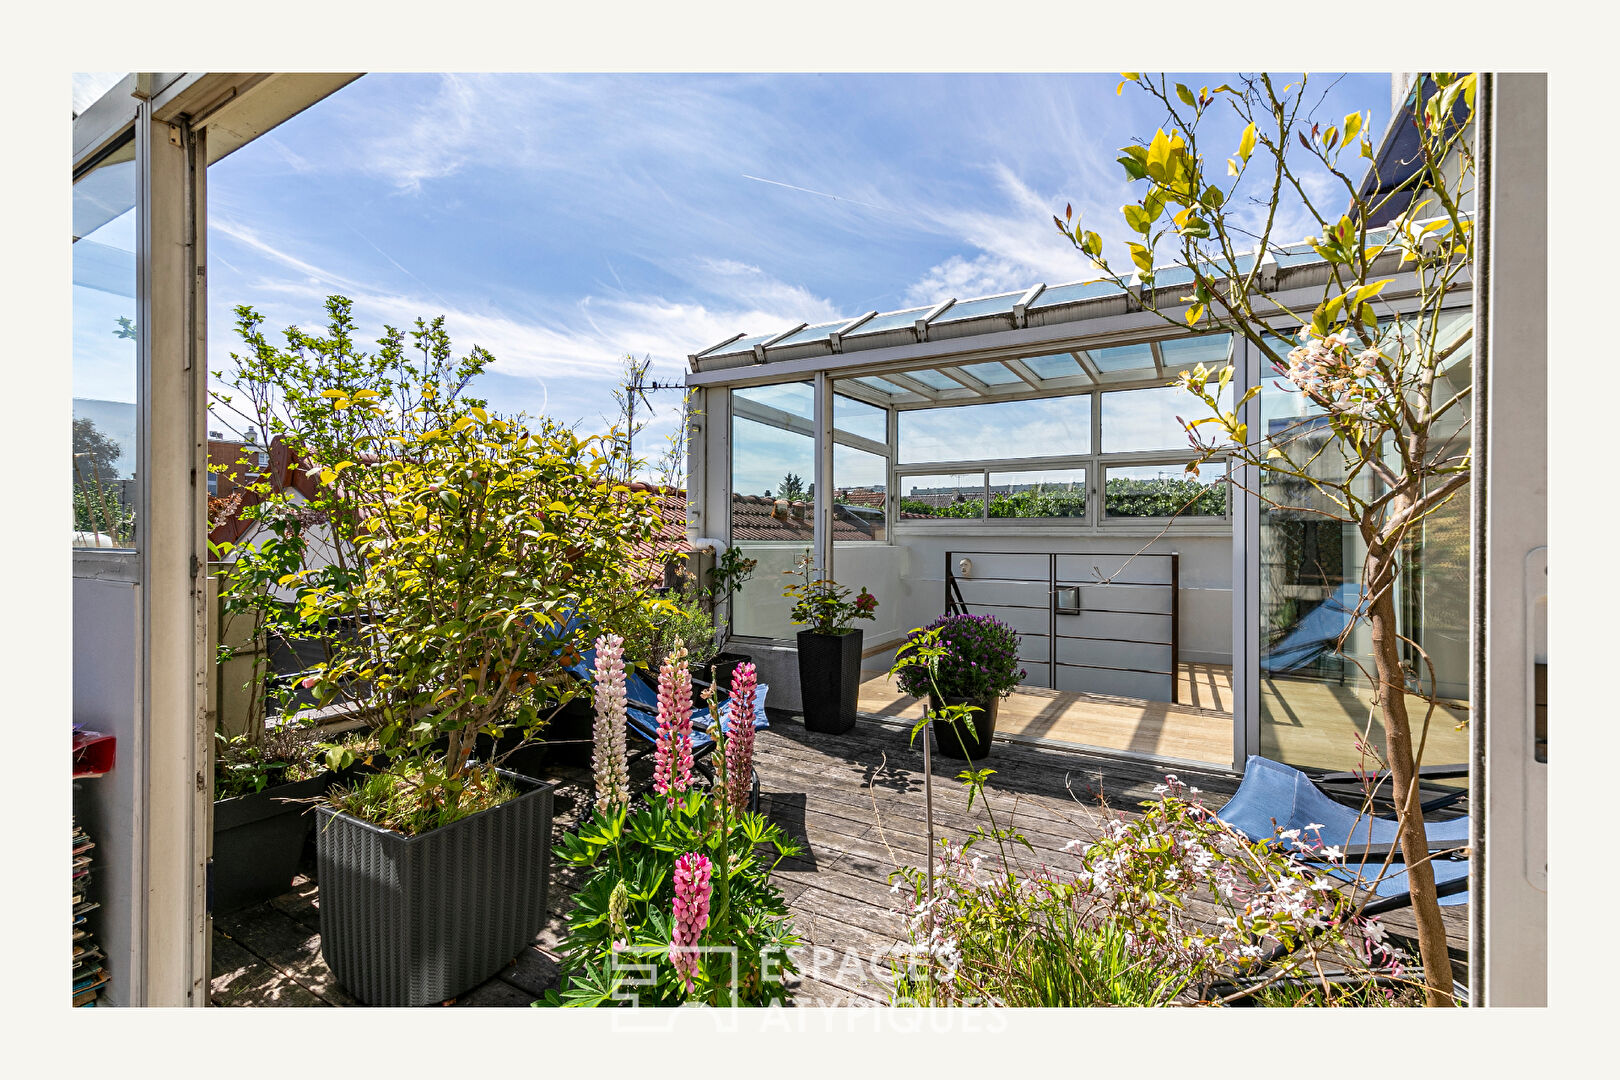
[
  {"x": 676, "y": 894},
  {"x": 1125, "y": 919},
  {"x": 980, "y": 659},
  {"x": 823, "y": 604}
]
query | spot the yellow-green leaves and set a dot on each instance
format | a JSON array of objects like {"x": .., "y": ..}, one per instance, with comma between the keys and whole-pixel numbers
[
  {"x": 1142, "y": 257},
  {"x": 1137, "y": 218},
  {"x": 1125, "y": 77},
  {"x": 1246, "y": 143},
  {"x": 1195, "y": 313},
  {"x": 1186, "y": 95},
  {"x": 1352, "y": 126}
]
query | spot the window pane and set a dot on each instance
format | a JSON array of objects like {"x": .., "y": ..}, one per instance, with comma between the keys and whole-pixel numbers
[
  {"x": 1055, "y": 366},
  {"x": 798, "y": 398},
  {"x": 1039, "y": 493},
  {"x": 859, "y": 495},
  {"x": 945, "y": 495},
  {"x": 1211, "y": 350},
  {"x": 860, "y": 418},
  {"x": 1146, "y": 419},
  {"x": 104, "y": 353},
  {"x": 991, "y": 374},
  {"x": 1161, "y": 491},
  {"x": 772, "y": 471},
  {"x": 1045, "y": 427},
  {"x": 1124, "y": 360}
]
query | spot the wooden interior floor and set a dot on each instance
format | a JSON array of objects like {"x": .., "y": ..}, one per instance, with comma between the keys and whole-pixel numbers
[
  {"x": 1315, "y": 724},
  {"x": 1198, "y": 730}
]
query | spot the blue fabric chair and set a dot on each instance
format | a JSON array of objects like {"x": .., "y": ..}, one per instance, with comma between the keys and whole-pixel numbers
[
  {"x": 1275, "y": 796},
  {"x": 642, "y": 711}
]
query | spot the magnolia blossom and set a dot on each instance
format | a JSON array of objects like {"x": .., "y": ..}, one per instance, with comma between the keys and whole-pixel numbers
[
  {"x": 672, "y": 763},
  {"x": 692, "y": 886},
  {"x": 740, "y": 739},
  {"x": 608, "y": 753}
]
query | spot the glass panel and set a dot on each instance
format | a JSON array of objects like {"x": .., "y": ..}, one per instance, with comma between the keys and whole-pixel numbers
[
  {"x": 860, "y": 418},
  {"x": 772, "y": 477},
  {"x": 1161, "y": 491},
  {"x": 1122, "y": 359},
  {"x": 1044, "y": 427},
  {"x": 894, "y": 320},
  {"x": 1068, "y": 294},
  {"x": 741, "y": 345},
  {"x": 812, "y": 333},
  {"x": 1054, "y": 366},
  {"x": 943, "y": 495},
  {"x": 991, "y": 374},
  {"x": 1211, "y": 350},
  {"x": 883, "y": 385},
  {"x": 934, "y": 380},
  {"x": 104, "y": 353},
  {"x": 973, "y": 309},
  {"x": 89, "y": 86},
  {"x": 1313, "y": 691},
  {"x": 859, "y": 495},
  {"x": 798, "y": 398},
  {"x": 1038, "y": 493},
  {"x": 1146, "y": 419}
]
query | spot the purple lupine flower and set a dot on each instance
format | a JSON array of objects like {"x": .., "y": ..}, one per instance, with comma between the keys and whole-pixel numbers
[
  {"x": 672, "y": 765},
  {"x": 740, "y": 739},
  {"x": 608, "y": 754},
  {"x": 692, "y": 872}
]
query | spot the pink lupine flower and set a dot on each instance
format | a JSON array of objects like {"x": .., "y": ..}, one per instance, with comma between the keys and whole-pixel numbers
[
  {"x": 740, "y": 737},
  {"x": 692, "y": 872},
  {"x": 608, "y": 753},
  {"x": 672, "y": 763}
]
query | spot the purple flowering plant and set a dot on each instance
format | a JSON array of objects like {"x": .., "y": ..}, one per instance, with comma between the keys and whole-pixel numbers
[{"x": 980, "y": 660}]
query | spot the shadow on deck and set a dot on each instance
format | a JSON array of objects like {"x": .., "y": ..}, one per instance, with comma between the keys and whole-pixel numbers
[{"x": 853, "y": 801}]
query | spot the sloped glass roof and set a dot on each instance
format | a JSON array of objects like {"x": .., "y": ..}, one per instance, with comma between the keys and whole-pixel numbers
[
  {"x": 892, "y": 321},
  {"x": 1068, "y": 294},
  {"x": 1054, "y": 366},
  {"x": 812, "y": 333},
  {"x": 1123, "y": 358},
  {"x": 991, "y": 374},
  {"x": 973, "y": 309}
]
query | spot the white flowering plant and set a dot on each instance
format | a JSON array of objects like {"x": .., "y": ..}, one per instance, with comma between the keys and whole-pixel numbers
[{"x": 1168, "y": 907}]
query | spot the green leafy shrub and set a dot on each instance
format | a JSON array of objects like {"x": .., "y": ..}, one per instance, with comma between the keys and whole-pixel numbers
[
  {"x": 474, "y": 556},
  {"x": 618, "y": 950}
]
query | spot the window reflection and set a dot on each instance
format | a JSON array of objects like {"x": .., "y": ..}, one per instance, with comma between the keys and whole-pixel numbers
[{"x": 104, "y": 352}]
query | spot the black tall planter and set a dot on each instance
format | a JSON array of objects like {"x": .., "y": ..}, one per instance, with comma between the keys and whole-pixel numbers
[
  {"x": 258, "y": 842},
  {"x": 968, "y": 741},
  {"x": 422, "y": 919},
  {"x": 829, "y": 679}
]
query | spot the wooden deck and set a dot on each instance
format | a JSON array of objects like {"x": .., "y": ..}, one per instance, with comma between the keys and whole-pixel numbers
[{"x": 854, "y": 802}]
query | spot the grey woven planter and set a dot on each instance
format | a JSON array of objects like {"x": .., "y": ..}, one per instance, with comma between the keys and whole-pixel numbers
[{"x": 422, "y": 919}]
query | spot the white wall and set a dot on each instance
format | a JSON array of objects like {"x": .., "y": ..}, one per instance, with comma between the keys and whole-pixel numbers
[
  {"x": 1205, "y": 593},
  {"x": 106, "y": 698}
]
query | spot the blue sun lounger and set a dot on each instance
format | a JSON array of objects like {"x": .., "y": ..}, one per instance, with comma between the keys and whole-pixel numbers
[{"x": 1274, "y": 796}]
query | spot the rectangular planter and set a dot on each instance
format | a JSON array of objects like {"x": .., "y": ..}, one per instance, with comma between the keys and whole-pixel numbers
[
  {"x": 258, "y": 842},
  {"x": 422, "y": 919},
  {"x": 829, "y": 679}
]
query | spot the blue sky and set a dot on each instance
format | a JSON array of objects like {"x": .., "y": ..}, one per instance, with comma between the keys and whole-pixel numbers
[{"x": 562, "y": 221}]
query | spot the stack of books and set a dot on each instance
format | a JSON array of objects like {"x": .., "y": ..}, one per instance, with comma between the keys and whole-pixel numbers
[{"x": 89, "y": 968}]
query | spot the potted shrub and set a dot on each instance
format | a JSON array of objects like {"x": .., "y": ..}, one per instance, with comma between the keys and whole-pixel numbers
[
  {"x": 977, "y": 667},
  {"x": 830, "y": 650},
  {"x": 481, "y": 555},
  {"x": 263, "y": 795}
]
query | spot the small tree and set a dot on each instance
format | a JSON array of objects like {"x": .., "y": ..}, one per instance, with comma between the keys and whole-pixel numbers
[
  {"x": 475, "y": 556},
  {"x": 1374, "y": 370},
  {"x": 791, "y": 487}
]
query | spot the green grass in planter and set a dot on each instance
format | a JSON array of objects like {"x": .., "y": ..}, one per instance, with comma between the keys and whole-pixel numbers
[{"x": 412, "y": 799}]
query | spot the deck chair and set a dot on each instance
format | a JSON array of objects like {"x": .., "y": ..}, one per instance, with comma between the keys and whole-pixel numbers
[{"x": 1275, "y": 796}]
